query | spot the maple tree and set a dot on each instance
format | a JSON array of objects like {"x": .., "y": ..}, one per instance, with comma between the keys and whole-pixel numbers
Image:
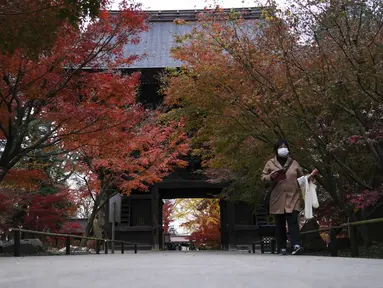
[
  {"x": 167, "y": 217},
  {"x": 54, "y": 101},
  {"x": 54, "y": 104},
  {"x": 36, "y": 204},
  {"x": 47, "y": 213},
  {"x": 32, "y": 25},
  {"x": 147, "y": 149},
  {"x": 202, "y": 221},
  {"x": 35, "y": 195},
  {"x": 309, "y": 74}
]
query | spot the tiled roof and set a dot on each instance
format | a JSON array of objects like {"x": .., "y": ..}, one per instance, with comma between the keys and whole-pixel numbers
[{"x": 157, "y": 42}]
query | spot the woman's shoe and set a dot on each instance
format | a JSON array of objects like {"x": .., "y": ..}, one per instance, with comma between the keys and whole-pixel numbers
[{"x": 298, "y": 250}]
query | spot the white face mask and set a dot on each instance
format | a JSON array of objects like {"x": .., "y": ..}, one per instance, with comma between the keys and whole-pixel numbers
[{"x": 283, "y": 152}]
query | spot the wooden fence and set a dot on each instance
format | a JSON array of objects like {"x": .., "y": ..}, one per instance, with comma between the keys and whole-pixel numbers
[
  {"x": 334, "y": 230},
  {"x": 17, "y": 241}
]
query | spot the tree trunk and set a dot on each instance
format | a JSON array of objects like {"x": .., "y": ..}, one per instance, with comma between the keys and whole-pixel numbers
[
  {"x": 3, "y": 172},
  {"x": 89, "y": 226},
  {"x": 98, "y": 205}
]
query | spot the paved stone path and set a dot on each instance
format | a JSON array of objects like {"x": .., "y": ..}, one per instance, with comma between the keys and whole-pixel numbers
[{"x": 191, "y": 269}]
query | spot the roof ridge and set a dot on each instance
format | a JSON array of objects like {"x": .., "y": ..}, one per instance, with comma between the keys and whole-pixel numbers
[{"x": 191, "y": 14}]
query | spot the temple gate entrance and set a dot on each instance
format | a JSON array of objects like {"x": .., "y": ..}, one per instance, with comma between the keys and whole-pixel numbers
[{"x": 141, "y": 215}]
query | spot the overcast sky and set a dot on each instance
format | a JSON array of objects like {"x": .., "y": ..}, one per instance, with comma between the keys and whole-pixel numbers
[{"x": 193, "y": 4}]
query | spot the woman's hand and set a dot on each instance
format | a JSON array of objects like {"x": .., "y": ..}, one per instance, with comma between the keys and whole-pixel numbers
[
  {"x": 313, "y": 173},
  {"x": 275, "y": 174}
]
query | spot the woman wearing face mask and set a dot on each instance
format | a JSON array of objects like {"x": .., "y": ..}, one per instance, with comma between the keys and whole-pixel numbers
[{"x": 285, "y": 197}]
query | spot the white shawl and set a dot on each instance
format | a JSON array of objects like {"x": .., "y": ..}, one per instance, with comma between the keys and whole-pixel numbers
[{"x": 310, "y": 196}]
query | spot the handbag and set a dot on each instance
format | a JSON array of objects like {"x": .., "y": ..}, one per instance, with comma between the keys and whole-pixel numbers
[
  {"x": 310, "y": 197},
  {"x": 266, "y": 197}
]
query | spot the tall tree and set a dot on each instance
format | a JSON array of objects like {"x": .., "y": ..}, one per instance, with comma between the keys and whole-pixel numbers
[
  {"x": 201, "y": 218},
  {"x": 51, "y": 101},
  {"x": 167, "y": 217},
  {"x": 147, "y": 149},
  {"x": 309, "y": 74},
  {"x": 32, "y": 25}
]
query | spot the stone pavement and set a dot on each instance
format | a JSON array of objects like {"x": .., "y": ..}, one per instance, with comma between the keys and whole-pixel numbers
[{"x": 191, "y": 269}]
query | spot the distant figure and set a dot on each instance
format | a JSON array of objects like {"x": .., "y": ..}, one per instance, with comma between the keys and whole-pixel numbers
[{"x": 282, "y": 173}]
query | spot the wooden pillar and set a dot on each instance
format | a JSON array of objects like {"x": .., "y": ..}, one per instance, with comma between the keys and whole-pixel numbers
[
  {"x": 224, "y": 225},
  {"x": 17, "y": 244},
  {"x": 67, "y": 245},
  {"x": 160, "y": 223},
  {"x": 354, "y": 241},
  {"x": 231, "y": 225},
  {"x": 155, "y": 212},
  {"x": 333, "y": 243}
]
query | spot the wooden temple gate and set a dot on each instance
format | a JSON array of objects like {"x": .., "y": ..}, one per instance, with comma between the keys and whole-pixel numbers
[{"x": 141, "y": 213}]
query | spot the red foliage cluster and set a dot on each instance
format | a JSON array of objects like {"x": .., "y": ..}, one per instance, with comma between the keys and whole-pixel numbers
[
  {"x": 34, "y": 211},
  {"x": 28, "y": 179},
  {"x": 328, "y": 214},
  {"x": 47, "y": 213},
  {"x": 366, "y": 198},
  {"x": 209, "y": 236},
  {"x": 167, "y": 210},
  {"x": 205, "y": 224},
  {"x": 71, "y": 228},
  {"x": 22, "y": 205},
  {"x": 73, "y": 99},
  {"x": 54, "y": 90},
  {"x": 353, "y": 139}
]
